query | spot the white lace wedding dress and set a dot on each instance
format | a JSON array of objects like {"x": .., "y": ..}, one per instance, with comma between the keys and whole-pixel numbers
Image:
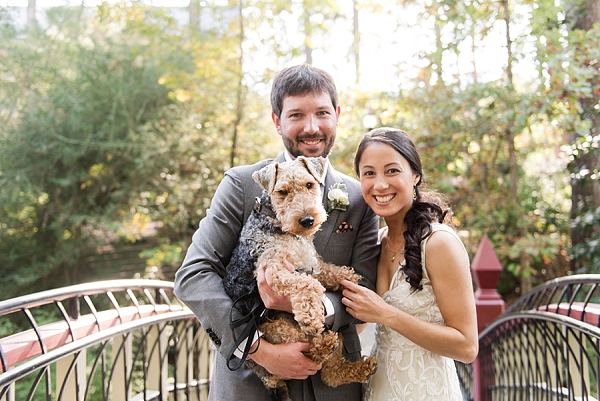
[{"x": 405, "y": 371}]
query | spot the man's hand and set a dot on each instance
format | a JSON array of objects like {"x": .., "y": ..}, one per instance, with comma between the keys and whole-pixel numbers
[
  {"x": 270, "y": 298},
  {"x": 286, "y": 360}
]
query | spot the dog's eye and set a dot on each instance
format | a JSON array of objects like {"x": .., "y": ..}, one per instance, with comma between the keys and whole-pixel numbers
[
  {"x": 282, "y": 192},
  {"x": 309, "y": 185}
]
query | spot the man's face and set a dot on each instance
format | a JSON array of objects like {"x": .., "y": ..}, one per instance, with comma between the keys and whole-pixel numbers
[{"x": 308, "y": 124}]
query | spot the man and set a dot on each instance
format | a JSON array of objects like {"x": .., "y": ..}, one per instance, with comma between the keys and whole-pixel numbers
[{"x": 305, "y": 112}]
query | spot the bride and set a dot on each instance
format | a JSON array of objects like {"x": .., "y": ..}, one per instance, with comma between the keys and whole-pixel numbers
[{"x": 424, "y": 306}]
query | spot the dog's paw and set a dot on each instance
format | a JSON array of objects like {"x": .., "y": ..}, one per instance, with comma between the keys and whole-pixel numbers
[
  {"x": 321, "y": 347},
  {"x": 311, "y": 329},
  {"x": 364, "y": 368},
  {"x": 370, "y": 365},
  {"x": 348, "y": 273},
  {"x": 330, "y": 341},
  {"x": 336, "y": 372},
  {"x": 310, "y": 322}
]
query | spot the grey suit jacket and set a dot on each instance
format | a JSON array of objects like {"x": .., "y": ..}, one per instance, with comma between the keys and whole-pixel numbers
[{"x": 198, "y": 282}]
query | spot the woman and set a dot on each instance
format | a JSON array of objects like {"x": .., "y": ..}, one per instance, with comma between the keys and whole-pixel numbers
[{"x": 424, "y": 306}]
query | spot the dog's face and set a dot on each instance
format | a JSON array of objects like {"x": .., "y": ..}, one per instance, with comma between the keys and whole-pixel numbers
[{"x": 295, "y": 191}]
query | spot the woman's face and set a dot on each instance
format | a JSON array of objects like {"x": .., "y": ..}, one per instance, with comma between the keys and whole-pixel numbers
[{"x": 386, "y": 179}]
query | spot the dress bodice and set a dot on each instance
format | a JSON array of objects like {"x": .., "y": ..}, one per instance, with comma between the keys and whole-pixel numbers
[{"x": 407, "y": 371}]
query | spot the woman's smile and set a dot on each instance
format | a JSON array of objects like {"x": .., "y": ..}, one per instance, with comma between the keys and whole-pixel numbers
[{"x": 384, "y": 198}]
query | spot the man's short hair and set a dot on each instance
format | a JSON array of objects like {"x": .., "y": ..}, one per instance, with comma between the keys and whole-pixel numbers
[{"x": 298, "y": 81}]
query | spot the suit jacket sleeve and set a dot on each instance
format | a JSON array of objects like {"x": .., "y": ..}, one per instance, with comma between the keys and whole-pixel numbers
[{"x": 199, "y": 281}]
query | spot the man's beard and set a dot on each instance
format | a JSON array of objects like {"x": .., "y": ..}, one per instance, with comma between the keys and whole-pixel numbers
[{"x": 294, "y": 151}]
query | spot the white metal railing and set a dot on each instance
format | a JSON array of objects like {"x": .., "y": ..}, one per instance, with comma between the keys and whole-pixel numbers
[{"x": 109, "y": 340}]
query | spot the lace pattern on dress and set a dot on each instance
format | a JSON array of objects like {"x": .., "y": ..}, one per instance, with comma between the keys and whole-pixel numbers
[{"x": 406, "y": 371}]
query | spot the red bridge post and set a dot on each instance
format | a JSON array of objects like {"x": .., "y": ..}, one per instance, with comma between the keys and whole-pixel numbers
[{"x": 489, "y": 304}]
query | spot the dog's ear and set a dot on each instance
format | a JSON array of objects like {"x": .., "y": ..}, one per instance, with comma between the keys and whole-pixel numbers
[
  {"x": 266, "y": 176},
  {"x": 315, "y": 166}
]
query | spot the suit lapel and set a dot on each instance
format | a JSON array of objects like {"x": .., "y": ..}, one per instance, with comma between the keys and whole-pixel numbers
[{"x": 323, "y": 235}]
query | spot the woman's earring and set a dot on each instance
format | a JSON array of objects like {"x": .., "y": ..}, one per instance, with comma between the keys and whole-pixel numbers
[{"x": 415, "y": 192}]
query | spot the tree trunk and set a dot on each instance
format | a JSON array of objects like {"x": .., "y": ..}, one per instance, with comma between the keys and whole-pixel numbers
[
  {"x": 356, "y": 43},
  {"x": 307, "y": 36},
  {"x": 585, "y": 194},
  {"x": 194, "y": 12},
  {"x": 32, "y": 23},
  {"x": 438, "y": 57},
  {"x": 474, "y": 51},
  {"x": 240, "y": 88},
  {"x": 513, "y": 165}
]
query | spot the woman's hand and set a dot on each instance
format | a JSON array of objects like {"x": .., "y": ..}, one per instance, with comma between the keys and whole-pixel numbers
[{"x": 363, "y": 303}]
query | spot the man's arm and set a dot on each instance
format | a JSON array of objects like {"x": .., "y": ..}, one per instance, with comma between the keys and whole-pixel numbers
[{"x": 199, "y": 281}]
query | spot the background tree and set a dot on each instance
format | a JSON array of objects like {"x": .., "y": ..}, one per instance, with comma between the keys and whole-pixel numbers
[
  {"x": 583, "y": 19},
  {"x": 70, "y": 148}
]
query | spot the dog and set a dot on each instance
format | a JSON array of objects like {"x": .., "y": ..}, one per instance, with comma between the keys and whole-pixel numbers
[{"x": 281, "y": 228}]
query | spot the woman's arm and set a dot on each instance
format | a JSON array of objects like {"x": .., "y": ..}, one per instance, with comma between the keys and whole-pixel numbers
[{"x": 448, "y": 270}]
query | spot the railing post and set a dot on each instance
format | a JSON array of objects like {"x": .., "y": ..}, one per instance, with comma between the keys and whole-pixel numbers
[
  {"x": 184, "y": 362},
  {"x": 578, "y": 369},
  {"x": 157, "y": 373},
  {"x": 489, "y": 304},
  {"x": 10, "y": 393},
  {"x": 205, "y": 364},
  {"x": 74, "y": 308},
  {"x": 123, "y": 361},
  {"x": 74, "y": 388}
]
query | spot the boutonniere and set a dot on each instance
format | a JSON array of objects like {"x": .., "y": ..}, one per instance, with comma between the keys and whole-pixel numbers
[{"x": 338, "y": 197}]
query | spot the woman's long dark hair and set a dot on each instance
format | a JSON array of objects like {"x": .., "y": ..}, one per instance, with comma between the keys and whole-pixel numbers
[{"x": 427, "y": 208}]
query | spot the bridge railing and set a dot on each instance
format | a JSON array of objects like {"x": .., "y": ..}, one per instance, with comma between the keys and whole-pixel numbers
[
  {"x": 546, "y": 346},
  {"x": 109, "y": 340},
  {"x": 133, "y": 340}
]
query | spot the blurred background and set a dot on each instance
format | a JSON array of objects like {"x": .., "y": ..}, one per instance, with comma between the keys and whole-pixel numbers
[{"x": 118, "y": 120}]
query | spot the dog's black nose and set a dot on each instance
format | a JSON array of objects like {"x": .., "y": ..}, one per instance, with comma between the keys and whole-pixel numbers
[{"x": 307, "y": 221}]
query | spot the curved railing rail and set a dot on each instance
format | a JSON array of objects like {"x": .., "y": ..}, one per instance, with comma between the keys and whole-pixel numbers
[
  {"x": 109, "y": 340},
  {"x": 540, "y": 356},
  {"x": 576, "y": 296},
  {"x": 546, "y": 346}
]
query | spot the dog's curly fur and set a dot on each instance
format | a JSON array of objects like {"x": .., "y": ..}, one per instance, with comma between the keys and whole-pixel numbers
[{"x": 281, "y": 228}]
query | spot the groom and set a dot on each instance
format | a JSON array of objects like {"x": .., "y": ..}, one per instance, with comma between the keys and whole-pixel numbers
[{"x": 305, "y": 112}]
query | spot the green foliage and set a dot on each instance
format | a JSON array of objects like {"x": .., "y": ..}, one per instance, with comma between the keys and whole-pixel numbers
[
  {"x": 71, "y": 146},
  {"x": 117, "y": 127},
  {"x": 463, "y": 149},
  {"x": 569, "y": 93},
  {"x": 587, "y": 252}
]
